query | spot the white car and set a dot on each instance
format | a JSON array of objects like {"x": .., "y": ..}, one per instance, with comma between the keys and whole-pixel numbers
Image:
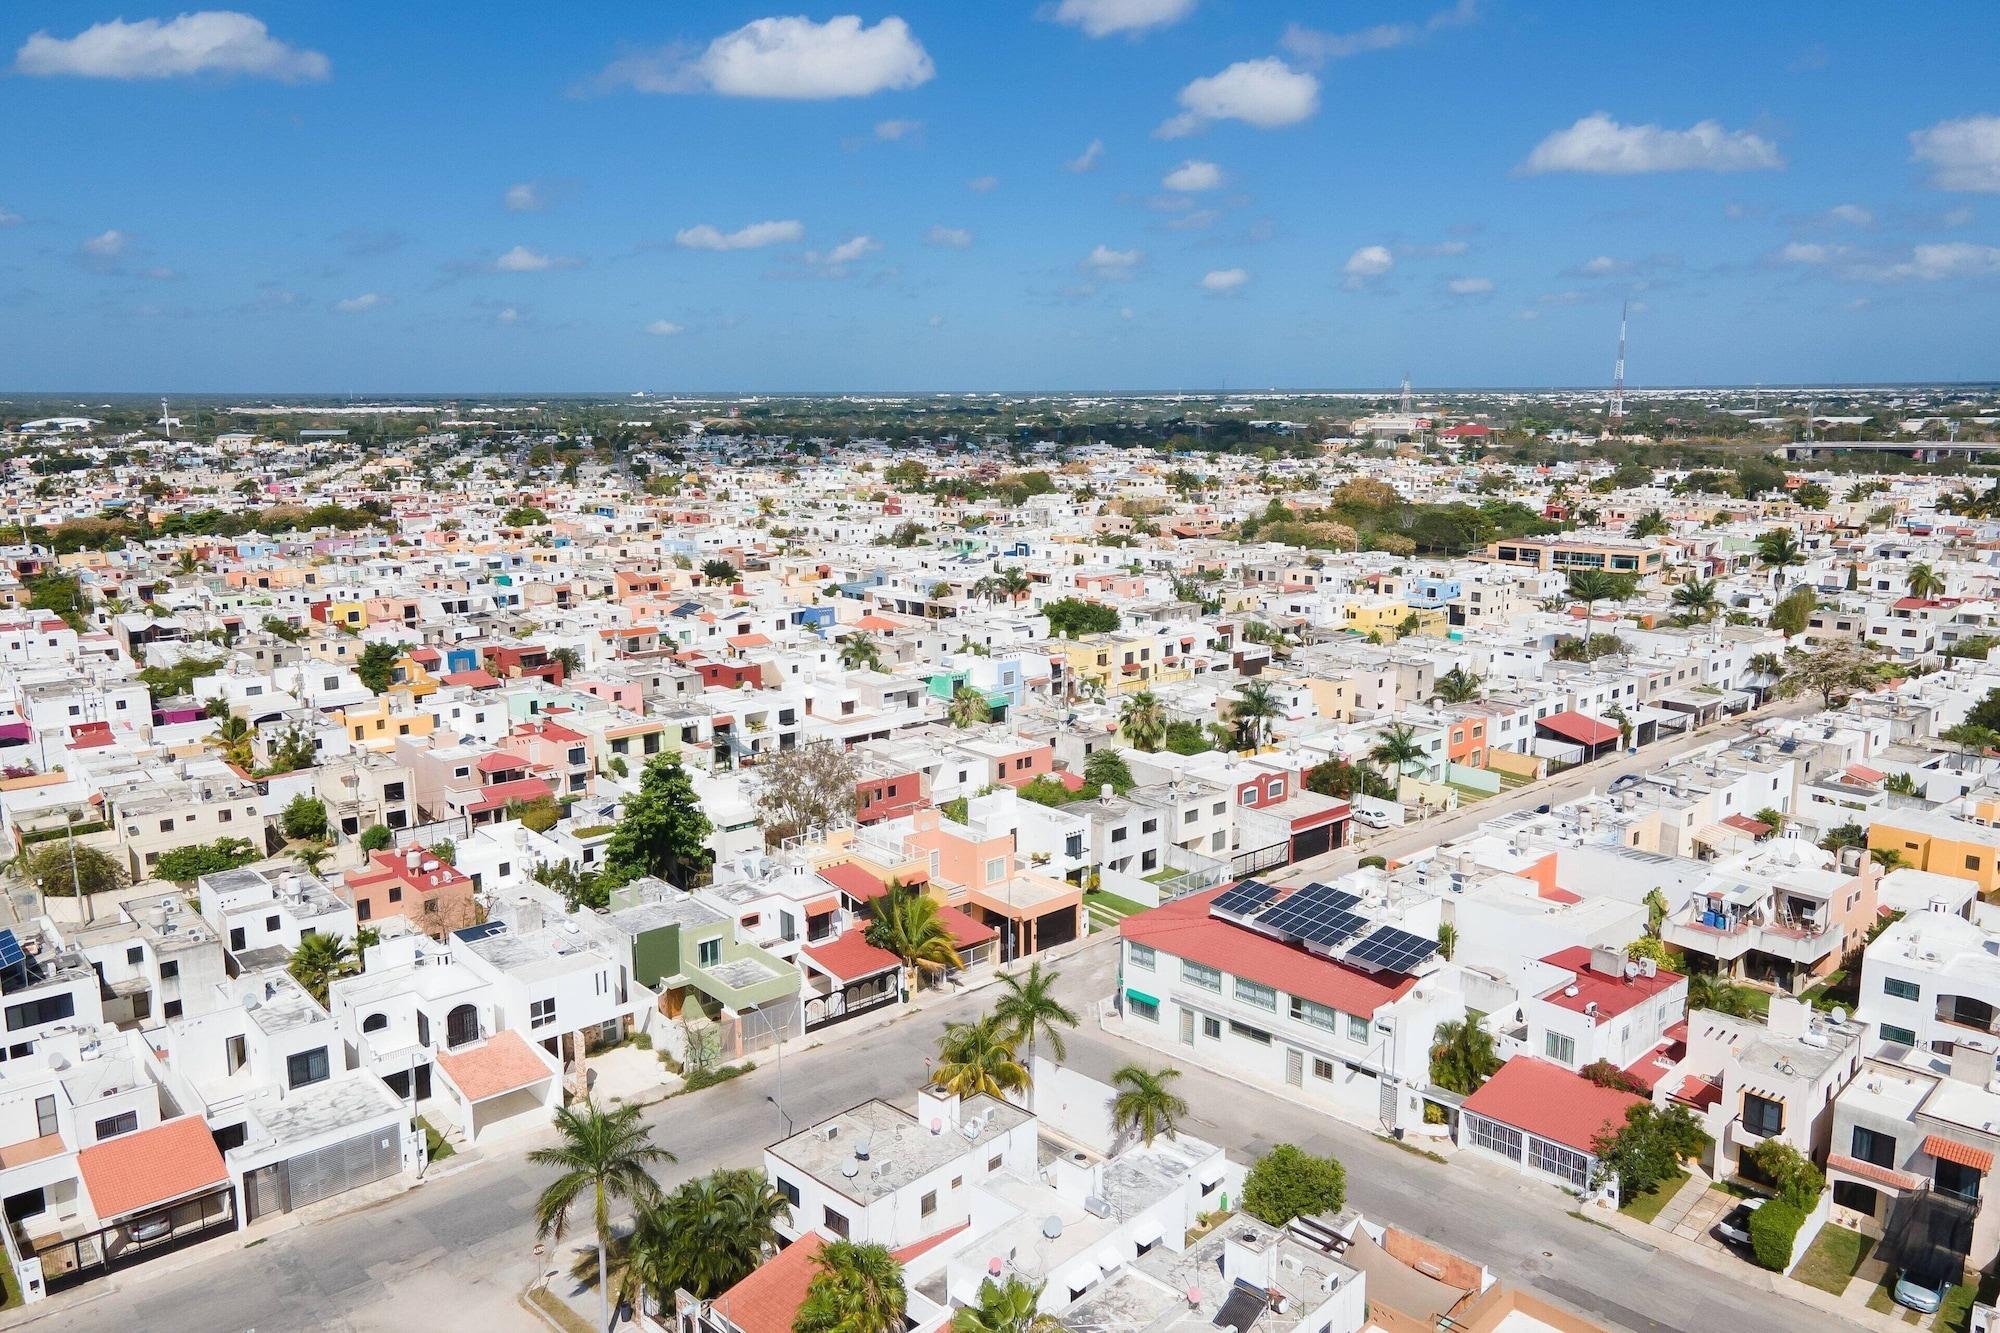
[{"x": 1735, "y": 1224}]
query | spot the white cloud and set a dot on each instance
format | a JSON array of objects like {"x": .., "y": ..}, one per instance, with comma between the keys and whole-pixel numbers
[
  {"x": 509, "y": 315},
  {"x": 1469, "y": 286},
  {"x": 1601, "y": 266},
  {"x": 354, "y": 305},
  {"x": 1319, "y": 47},
  {"x": 1366, "y": 264},
  {"x": 949, "y": 238},
  {"x": 215, "y": 41},
  {"x": 1222, "y": 281},
  {"x": 1265, "y": 93},
  {"x": 833, "y": 263},
  {"x": 1109, "y": 263},
  {"x": 1102, "y": 18},
  {"x": 1439, "y": 250},
  {"x": 752, "y": 237},
  {"x": 1193, "y": 175},
  {"x": 1949, "y": 259},
  {"x": 523, "y": 260},
  {"x": 1853, "y": 215},
  {"x": 1962, "y": 154},
  {"x": 1599, "y": 145},
  {"x": 1806, "y": 252},
  {"x": 1087, "y": 160},
  {"x": 1957, "y": 217},
  {"x": 983, "y": 184},
  {"x": 792, "y": 58},
  {"x": 664, "y": 328},
  {"x": 106, "y": 245},
  {"x": 9, "y": 218},
  {"x": 889, "y": 131},
  {"x": 523, "y": 198}
]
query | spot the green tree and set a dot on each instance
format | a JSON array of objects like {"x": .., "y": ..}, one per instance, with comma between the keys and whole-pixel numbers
[
  {"x": 603, "y": 1155},
  {"x": 1289, "y": 1182},
  {"x": 859, "y": 652},
  {"x": 1143, "y": 721},
  {"x": 183, "y": 865},
  {"x": 1398, "y": 751},
  {"x": 1590, "y": 587},
  {"x": 713, "y": 1232},
  {"x": 718, "y": 571},
  {"x": 376, "y": 667},
  {"x": 1834, "y": 672},
  {"x": 1697, "y": 600},
  {"x": 968, "y": 708},
  {"x": 1030, "y": 1011},
  {"x": 1792, "y": 1173},
  {"x": 1462, "y": 1056},
  {"x": 979, "y": 1056},
  {"x": 304, "y": 819},
  {"x": 319, "y": 959},
  {"x": 376, "y": 838},
  {"x": 1924, "y": 581},
  {"x": 907, "y": 924},
  {"x": 1107, "y": 768},
  {"x": 1793, "y": 612},
  {"x": 59, "y": 867},
  {"x": 1459, "y": 686},
  {"x": 858, "y": 1288},
  {"x": 663, "y": 831},
  {"x": 1648, "y": 1147},
  {"x": 1447, "y": 940},
  {"x": 1070, "y": 617},
  {"x": 1778, "y": 550},
  {"x": 1253, "y": 712},
  {"x": 1773, "y": 1230},
  {"x": 1144, "y": 1102},
  {"x": 1007, "y": 1306},
  {"x": 1708, "y": 991},
  {"x": 523, "y": 516},
  {"x": 1651, "y": 524}
]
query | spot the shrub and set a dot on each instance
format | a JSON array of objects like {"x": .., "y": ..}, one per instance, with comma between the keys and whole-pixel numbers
[
  {"x": 1772, "y": 1231},
  {"x": 376, "y": 837},
  {"x": 1373, "y": 862},
  {"x": 305, "y": 819},
  {"x": 1288, "y": 1182},
  {"x": 1798, "y": 1182},
  {"x": 709, "y": 1075},
  {"x": 183, "y": 864}
]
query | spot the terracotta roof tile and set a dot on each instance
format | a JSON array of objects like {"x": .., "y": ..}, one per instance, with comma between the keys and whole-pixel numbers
[
  {"x": 502, "y": 1063},
  {"x": 1964, "y": 1154},
  {"x": 1550, "y": 1102},
  {"x": 851, "y": 957},
  {"x": 134, "y": 1172},
  {"x": 769, "y": 1299}
]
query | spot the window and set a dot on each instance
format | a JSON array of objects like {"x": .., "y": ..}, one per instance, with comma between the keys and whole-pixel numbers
[
  {"x": 1494, "y": 1137},
  {"x": 928, "y": 1204},
  {"x": 170, "y": 970},
  {"x": 1357, "y": 1028},
  {"x": 1141, "y": 956},
  {"x": 1202, "y": 975},
  {"x": 1954, "y": 1179},
  {"x": 1762, "y": 1116},
  {"x": 136, "y": 955},
  {"x": 307, "y": 1067},
  {"x": 1274, "y": 791},
  {"x": 1145, "y": 1009},
  {"x": 1873, "y": 1146},
  {"x": 1211, "y": 1028},
  {"x": 1563, "y": 1163},
  {"x": 1318, "y": 1015},
  {"x": 1252, "y": 992},
  {"x": 993, "y": 1162},
  {"x": 541, "y": 1013},
  {"x": 1861, "y": 1198},
  {"x": 835, "y": 1222},
  {"x": 34, "y": 1013},
  {"x": 1118, "y": 834},
  {"x": 1559, "y": 1048},
  {"x": 125, "y": 1122},
  {"x": 996, "y": 869},
  {"x": 25, "y": 1204},
  {"x": 45, "y": 1116},
  {"x": 1902, "y": 990},
  {"x": 1258, "y": 1035},
  {"x": 1890, "y": 1033},
  {"x": 708, "y": 953},
  {"x": 1323, "y": 1069}
]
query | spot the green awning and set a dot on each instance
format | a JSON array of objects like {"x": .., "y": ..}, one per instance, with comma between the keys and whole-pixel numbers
[{"x": 1141, "y": 997}]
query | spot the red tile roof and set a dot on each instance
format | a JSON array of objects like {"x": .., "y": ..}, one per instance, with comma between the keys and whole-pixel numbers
[
  {"x": 852, "y": 880},
  {"x": 134, "y": 1172},
  {"x": 1881, "y": 1175},
  {"x": 1612, "y": 997},
  {"x": 502, "y": 1063},
  {"x": 500, "y": 762},
  {"x": 1184, "y": 929},
  {"x": 1756, "y": 828},
  {"x": 1583, "y": 730},
  {"x": 1697, "y": 1092},
  {"x": 1550, "y": 1102},
  {"x": 965, "y": 930},
  {"x": 850, "y": 957},
  {"x": 1951, "y": 1150},
  {"x": 928, "y": 1243},
  {"x": 520, "y": 789},
  {"x": 477, "y": 678},
  {"x": 769, "y": 1299}
]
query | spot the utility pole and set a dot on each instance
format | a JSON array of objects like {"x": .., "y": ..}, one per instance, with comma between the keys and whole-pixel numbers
[{"x": 1618, "y": 378}]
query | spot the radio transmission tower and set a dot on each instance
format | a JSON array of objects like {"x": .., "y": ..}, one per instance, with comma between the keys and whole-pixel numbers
[
  {"x": 1618, "y": 378},
  {"x": 1409, "y": 404}
]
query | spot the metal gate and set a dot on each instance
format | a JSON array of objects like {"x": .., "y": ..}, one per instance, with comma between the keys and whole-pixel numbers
[
  {"x": 1295, "y": 1066},
  {"x": 1187, "y": 1027},
  {"x": 342, "y": 1166},
  {"x": 264, "y": 1192}
]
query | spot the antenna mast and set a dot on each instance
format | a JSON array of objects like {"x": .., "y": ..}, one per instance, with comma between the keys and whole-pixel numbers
[
  {"x": 1409, "y": 405},
  {"x": 1618, "y": 378}
]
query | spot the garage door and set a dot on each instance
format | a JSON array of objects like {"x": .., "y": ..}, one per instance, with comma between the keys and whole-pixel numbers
[
  {"x": 343, "y": 1166},
  {"x": 1312, "y": 842}
]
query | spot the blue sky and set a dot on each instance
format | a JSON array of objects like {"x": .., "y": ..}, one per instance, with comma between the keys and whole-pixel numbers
[{"x": 1011, "y": 194}]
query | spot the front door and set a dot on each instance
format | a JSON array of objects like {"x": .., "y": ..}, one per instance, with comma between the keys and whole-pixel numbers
[
  {"x": 1187, "y": 1027},
  {"x": 1295, "y": 1067}
]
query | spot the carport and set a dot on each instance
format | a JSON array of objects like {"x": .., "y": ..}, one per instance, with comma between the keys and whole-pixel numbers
[{"x": 501, "y": 1085}]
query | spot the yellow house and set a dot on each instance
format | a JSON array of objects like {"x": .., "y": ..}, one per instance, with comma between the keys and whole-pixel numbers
[
  {"x": 1384, "y": 617},
  {"x": 1086, "y": 660},
  {"x": 394, "y": 714},
  {"x": 353, "y": 615},
  {"x": 412, "y": 677},
  {"x": 1141, "y": 661},
  {"x": 1332, "y": 699},
  {"x": 1927, "y": 840}
]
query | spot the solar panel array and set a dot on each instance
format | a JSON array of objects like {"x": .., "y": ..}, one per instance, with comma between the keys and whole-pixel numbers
[
  {"x": 1246, "y": 899},
  {"x": 10, "y": 950},
  {"x": 1392, "y": 950},
  {"x": 1316, "y": 914}
]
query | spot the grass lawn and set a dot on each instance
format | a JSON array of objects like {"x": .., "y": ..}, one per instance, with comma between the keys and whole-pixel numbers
[
  {"x": 1835, "y": 1256},
  {"x": 1955, "y": 1312},
  {"x": 1645, "y": 1207},
  {"x": 1110, "y": 904},
  {"x": 1163, "y": 875},
  {"x": 1881, "y": 1301},
  {"x": 10, "y": 1295},
  {"x": 437, "y": 1146}
]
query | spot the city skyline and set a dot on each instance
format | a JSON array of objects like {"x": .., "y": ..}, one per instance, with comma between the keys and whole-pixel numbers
[{"x": 1142, "y": 193}]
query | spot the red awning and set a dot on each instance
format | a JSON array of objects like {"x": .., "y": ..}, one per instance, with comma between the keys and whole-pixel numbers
[
  {"x": 1583, "y": 730},
  {"x": 821, "y": 906},
  {"x": 1951, "y": 1150}
]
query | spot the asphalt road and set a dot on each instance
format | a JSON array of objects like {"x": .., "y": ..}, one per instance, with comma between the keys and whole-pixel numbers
[{"x": 456, "y": 1252}]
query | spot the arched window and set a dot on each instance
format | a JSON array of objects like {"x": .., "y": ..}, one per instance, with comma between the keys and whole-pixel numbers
[
  {"x": 374, "y": 1022},
  {"x": 461, "y": 1025}
]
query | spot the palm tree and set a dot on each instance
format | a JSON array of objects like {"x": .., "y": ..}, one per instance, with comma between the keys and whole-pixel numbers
[
  {"x": 1697, "y": 598},
  {"x": 1398, "y": 749},
  {"x": 858, "y": 1289},
  {"x": 603, "y": 1154},
  {"x": 317, "y": 960},
  {"x": 968, "y": 708},
  {"x": 859, "y": 652},
  {"x": 713, "y": 1232},
  {"x": 1708, "y": 991},
  {"x": 1254, "y": 709},
  {"x": 1144, "y": 721},
  {"x": 978, "y": 1057},
  {"x": 1459, "y": 686},
  {"x": 907, "y": 924},
  {"x": 1902, "y": 784},
  {"x": 1003, "y": 1307},
  {"x": 1591, "y": 586},
  {"x": 1767, "y": 664},
  {"x": 1447, "y": 940},
  {"x": 987, "y": 589},
  {"x": 1462, "y": 1056},
  {"x": 1656, "y": 911},
  {"x": 1651, "y": 524},
  {"x": 233, "y": 735},
  {"x": 1886, "y": 857},
  {"x": 1015, "y": 583},
  {"x": 1145, "y": 1102},
  {"x": 1925, "y": 581},
  {"x": 1031, "y": 1011},
  {"x": 1778, "y": 550}
]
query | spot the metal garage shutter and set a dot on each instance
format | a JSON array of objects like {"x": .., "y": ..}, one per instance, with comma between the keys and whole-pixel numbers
[{"x": 343, "y": 1166}]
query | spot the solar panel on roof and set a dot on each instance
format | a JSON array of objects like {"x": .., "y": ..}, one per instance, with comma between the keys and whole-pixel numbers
[
  {"x": 1392, "y": 950},
  {"x": 1317, "y": 914},
  {"x": 10, "y": 950},
  {"x": 1245, "y": 899}
]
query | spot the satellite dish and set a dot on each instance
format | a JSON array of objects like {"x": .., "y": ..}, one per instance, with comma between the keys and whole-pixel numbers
[{"x": 1838, "y": 1015}]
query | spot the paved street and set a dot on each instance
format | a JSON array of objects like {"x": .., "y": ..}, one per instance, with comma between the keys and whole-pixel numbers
[{"x": 455, "y": 1253}]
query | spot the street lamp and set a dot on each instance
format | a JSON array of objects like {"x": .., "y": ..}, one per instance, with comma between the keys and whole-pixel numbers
[{"x": 781, "y": 1111}]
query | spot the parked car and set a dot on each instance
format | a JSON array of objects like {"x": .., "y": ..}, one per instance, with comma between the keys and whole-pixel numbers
[
  {"x": 1735, "y": 1224},
  {"x": 1922, "y": 1289},
  {"x": 150, "y": 1228},
  {"x": 1626, "y": 780}
]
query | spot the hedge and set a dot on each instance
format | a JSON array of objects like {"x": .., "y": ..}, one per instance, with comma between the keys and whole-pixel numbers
[{"x": 1773, "y": 1228}]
